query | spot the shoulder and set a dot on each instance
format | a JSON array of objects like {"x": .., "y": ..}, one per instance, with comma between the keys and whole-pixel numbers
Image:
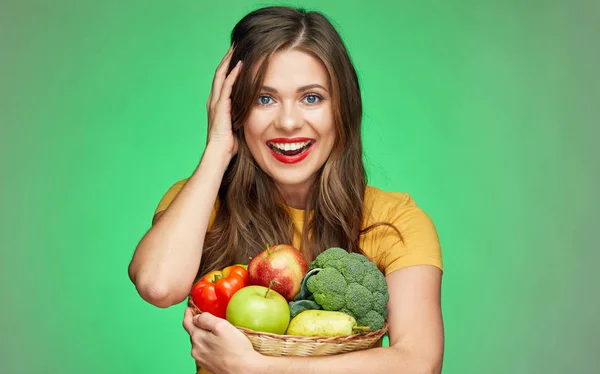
[
  {"x": 377, "y": 197},
  {"x": 418, "y": 242},
  {"x": 170, "y": 195},
  {"x": 397, "y": 208},
  {"x": 380, "y": 205}
]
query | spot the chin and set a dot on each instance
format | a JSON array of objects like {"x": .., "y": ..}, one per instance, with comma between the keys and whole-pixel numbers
[{"x": 293, "y": 178}]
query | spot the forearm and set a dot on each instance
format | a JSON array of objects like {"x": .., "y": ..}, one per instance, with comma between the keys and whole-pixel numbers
[
  {"x": 376, "y": 360},
  {"x": 167, "y": 258}
]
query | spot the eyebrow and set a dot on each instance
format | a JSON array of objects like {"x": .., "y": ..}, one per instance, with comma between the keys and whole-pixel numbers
[{"x": 300, "y": 89}]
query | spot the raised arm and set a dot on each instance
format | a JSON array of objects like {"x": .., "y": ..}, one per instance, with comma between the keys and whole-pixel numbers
[{"x": 167, "y": 258}]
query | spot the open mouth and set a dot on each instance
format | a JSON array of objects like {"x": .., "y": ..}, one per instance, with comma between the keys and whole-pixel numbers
[{"x": 290, "y": 149}]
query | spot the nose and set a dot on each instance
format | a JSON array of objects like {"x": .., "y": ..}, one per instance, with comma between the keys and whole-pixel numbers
[{"x": 289, "y": 118}]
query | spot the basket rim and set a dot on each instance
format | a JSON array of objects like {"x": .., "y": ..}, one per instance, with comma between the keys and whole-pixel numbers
[{"x": 308, "y": 339}]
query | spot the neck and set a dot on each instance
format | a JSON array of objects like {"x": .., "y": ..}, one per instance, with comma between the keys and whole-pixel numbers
[{"x": 295, "y": 196}]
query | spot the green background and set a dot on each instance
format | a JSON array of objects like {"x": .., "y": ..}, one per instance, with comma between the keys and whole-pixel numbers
[{"x": 486, "y": 112}]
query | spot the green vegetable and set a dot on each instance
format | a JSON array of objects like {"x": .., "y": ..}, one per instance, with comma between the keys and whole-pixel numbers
[
  {"x": 304, "y": 300},
  {"x": 349, "y": 283}
]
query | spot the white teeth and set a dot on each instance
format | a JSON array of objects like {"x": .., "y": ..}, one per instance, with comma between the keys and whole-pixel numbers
[{"x": 290, "y": 146}]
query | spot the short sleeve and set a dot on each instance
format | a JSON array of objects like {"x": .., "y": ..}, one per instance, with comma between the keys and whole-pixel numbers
[
  {"x": 168, "y": 197},
  {"x": 419, "y": 243},
  {"x": 172, "y": 193}
]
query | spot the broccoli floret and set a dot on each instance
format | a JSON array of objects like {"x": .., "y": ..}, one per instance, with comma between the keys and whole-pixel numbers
[
  {"x": 328, "y": 287},
  {"x": 380, "y": 301},
  {"x": 372, "y": 265},
  {"x": 371, "y": 281},
  {"x": 372, "y": 319},
  {"x": 359, "y": 257},
  {"x": 358, "y": 299},
  {"x": 353, "y": 270},
  {"x": 348, "y": 312},
  {"x": 323, "y": 259},
  {"x": 375, "y": 282},
  {"x": 352, "y": 284}
]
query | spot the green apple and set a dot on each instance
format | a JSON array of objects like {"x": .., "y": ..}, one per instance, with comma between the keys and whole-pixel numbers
[{"x": 259, "y": 308}]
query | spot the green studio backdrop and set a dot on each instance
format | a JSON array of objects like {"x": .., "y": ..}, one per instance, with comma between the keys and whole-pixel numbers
[{"x": 486, "y": 112}]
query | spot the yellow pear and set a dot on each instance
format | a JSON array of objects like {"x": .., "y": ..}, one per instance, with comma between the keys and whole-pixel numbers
[{"x": 324, "y": 323}]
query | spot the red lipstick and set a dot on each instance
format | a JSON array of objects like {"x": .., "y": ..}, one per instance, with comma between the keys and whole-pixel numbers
[
  {"x": 290, "y": 156},
  {"x": 288, "y": 140}
]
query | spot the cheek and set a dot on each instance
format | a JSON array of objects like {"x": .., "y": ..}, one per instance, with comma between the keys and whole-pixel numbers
[
  {"x": 254, "y": 129},
  {"x": 322, "y": 121},
  {"x": 253, "y": 144},
  {"x": 256, "y": 125},
  {"x": 251, "y": 131}
]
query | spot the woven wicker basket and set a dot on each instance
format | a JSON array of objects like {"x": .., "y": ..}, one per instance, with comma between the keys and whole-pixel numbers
[{"x": 287, "y": 345}]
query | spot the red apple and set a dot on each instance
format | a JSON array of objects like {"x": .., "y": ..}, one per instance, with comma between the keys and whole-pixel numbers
[{"x": 282, "y": 263}]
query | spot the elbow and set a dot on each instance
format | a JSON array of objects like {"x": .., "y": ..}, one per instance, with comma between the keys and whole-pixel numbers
[
  {"x": 428, "y": 362},
  {"x": 160, "y": 296},
  {"x": 157, "y": 293},
  {"x": 433, "y": 367},
  {"x": 427, "y": 366}
]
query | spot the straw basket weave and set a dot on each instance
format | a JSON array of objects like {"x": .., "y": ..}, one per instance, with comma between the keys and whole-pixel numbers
[{"x": 287, "y": 345}]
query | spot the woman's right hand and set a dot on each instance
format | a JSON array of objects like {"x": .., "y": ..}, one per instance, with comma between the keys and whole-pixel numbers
[{"x": 218, "y": 107}]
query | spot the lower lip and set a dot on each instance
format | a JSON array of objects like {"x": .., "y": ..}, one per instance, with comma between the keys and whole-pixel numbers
[{"x": 291, "y": 159}]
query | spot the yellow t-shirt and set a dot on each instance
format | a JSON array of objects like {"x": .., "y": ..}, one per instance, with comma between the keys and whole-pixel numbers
[{"x": 420, "y": 244}]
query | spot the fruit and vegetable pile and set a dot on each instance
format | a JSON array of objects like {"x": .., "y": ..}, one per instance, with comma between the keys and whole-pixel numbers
[{"x": 278, "y": 292}]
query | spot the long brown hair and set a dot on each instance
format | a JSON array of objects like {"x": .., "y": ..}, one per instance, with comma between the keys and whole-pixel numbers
[{"x": 251, "y": 213}]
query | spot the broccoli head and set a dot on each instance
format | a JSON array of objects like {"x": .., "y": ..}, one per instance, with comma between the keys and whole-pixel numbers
[{"x": 350, "y": 283}]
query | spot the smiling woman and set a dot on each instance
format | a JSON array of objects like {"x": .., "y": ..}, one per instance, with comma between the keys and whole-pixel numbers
[
  {"x": 302, "y": 114},
  {"x": 283, "y": 165}
]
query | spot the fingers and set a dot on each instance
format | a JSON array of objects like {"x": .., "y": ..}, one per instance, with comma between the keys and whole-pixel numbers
[
  {"x": 220, "y": 76},
  {"x": 188, "y": 323},
  {"x": 208, "y": 322},
  {"x": 215, "y": 86},
  {"x": 204, "y": 321},
  {"x": 230, "y": 80},
  {"x": 197, "y": 334}
]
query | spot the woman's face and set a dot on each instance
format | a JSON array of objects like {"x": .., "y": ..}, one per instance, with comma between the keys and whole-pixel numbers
[{"x": 290, "y": 131}]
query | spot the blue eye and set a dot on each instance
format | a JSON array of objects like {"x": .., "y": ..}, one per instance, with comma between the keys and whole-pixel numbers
[
  {"x": 264, "y": 100},
  {"x": 312, "y": 98}
]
